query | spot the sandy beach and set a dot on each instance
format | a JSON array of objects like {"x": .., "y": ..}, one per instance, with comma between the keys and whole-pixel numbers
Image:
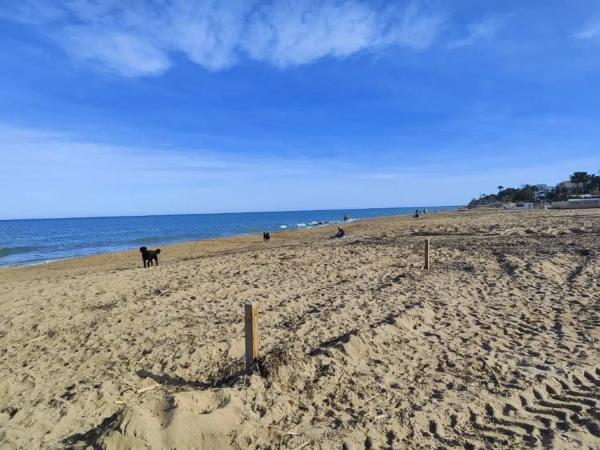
[{"x": 496, "y": 346}]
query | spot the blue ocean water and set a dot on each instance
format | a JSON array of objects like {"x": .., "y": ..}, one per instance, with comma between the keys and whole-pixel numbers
[{"x": 44, "y": 240}]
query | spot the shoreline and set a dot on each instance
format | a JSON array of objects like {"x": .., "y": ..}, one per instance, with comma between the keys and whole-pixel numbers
[
  {"x": 193, "y": 241},
  {"x": 225, "y": 241}
]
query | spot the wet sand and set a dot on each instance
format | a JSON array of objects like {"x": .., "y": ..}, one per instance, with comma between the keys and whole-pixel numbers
[{"x": 496, "y": 346}]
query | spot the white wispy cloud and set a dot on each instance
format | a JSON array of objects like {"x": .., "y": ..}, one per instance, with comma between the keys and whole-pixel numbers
[
  {"x": 589, "y": 31},
  {"x": 484, "y": 30},
  {"x": 125, "y": 53},
  {"x": 48, "y": 173},
  {"x": 140, "y": 38}
]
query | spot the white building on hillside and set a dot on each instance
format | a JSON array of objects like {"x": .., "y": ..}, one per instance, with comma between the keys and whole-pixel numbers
[{"x": 541, "y": 190}]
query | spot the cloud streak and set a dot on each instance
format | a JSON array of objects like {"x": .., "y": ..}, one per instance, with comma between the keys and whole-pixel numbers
[
  {"x": 484, "y": 30},
  {"x": 588, "y": 32},
  {"x": 140, "y": 38},
  {"x": 57, "y": 174}
]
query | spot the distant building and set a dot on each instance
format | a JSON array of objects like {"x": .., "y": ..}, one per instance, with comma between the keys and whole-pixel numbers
[
  {"x": 524, "y": 205},
  {"x": 541, "y": 190},
  {"x": 566, "y": 185},
  {"x": 577, "y": 203},
  {"x": 576, "y": 196},
  {"x": 519, "y": 206}
]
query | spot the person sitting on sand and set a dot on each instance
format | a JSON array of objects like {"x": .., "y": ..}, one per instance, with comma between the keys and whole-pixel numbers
[
  {"x": 340, "y": 234},
  {"x": 416, "y": 213}
]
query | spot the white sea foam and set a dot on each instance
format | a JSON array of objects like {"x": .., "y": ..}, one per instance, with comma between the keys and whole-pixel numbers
[
  {"x": 283, "y": 226},
  {"x": 300, "y": 225},
  {"x": 39, "y": 263}
]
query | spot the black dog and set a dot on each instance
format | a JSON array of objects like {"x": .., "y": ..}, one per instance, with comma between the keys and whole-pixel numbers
[
  {"x": 266, "y": 236},
  {"x": 149, "y": 256}
]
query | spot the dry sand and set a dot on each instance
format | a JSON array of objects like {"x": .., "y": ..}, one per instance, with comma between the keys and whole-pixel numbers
[{"x": 497, "y": 346}]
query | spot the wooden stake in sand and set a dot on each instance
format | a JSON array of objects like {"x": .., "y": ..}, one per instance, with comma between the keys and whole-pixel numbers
[
  {"x": 251, "y": 319},
  {"x": 427, "y": 244}
]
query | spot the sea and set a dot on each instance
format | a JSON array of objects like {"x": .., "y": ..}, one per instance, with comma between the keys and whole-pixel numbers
[{"x": 39, "y": 241}]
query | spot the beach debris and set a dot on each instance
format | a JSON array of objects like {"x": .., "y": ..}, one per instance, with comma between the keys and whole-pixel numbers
[
  {"x": 339, "y": 384},
  {"x": 147, "y": 388},
  {"x": 491, "y": 370},
  {"x": 39, "y": 338},
  {"x": 370, "y": 398}
]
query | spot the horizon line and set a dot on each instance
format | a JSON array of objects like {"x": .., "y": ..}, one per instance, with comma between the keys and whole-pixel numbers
[{"x": 218, "y": 213}]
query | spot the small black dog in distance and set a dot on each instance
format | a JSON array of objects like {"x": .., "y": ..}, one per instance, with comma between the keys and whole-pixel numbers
[
  {"x": 149, "y": 256},
  {"x": 266, "y": 236}
]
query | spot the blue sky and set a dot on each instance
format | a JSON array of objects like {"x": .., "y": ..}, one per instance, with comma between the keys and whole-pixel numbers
[{"x": 202, "y": 106}]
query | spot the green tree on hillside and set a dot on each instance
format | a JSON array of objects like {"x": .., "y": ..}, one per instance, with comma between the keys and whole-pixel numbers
[
  {"x": 525, "y": 194},
  {"x": 584, "y": 182}
]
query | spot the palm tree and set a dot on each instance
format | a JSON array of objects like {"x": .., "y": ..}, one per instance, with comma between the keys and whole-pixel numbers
[
  {"x": 528, "y": 192},
  {"x": 580, "y": 179},
  {"x": 595, "y": 182}
]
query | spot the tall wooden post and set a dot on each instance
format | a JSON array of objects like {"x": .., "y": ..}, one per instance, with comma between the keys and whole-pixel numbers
[
  {"x": 251, "y": 324},
  {"x": 427, "y": 244}
]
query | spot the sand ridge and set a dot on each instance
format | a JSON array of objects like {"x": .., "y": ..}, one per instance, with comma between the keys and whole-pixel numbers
[{"x": 496, "y": 346}]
